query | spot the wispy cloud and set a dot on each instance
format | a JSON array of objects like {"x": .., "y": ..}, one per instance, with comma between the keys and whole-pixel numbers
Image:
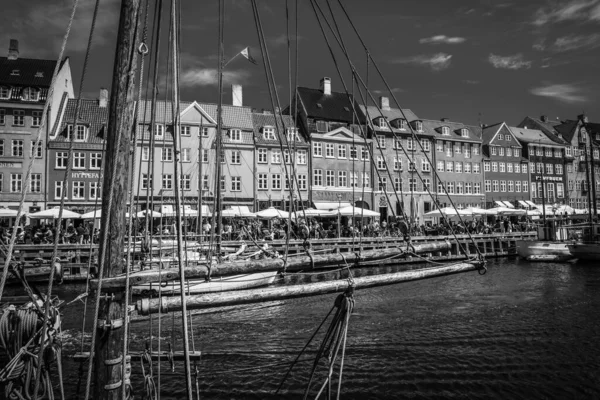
[
  {"x": 471, "y": 82},
  {"x": 576, "y": 42},
  {"x": 564, "y": 92},
  {"x": 385, "y": 91},
  {"x": 570, "y": 10},
  {"x": 282, "y": 39},
  {"x": 436, "y": 62},
  {"x": 208, "y": 77},
  {"x": 509, "y": 62},
  {"x": 442, "y": 39}
]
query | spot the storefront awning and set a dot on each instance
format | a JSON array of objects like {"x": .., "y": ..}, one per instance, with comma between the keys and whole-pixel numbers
[
  {"x": 499, "y": 203},
  {"x": 329, "y": 205},
  {"x": 508, "y": 204},
  {"x": 524, "y": 204},
  {"x": 531, "y": 203}
]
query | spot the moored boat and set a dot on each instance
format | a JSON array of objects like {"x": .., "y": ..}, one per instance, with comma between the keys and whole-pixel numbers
[
  {"x": 585, "y": 251},
  {"x": 552, "y": 245}
]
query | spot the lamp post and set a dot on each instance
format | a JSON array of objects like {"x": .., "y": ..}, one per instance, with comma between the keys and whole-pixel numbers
[{"x": 339, "y": 217}]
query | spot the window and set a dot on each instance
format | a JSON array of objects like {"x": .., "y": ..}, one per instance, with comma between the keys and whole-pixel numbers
[
  {"x": 16, "y": 183},
  {"x": 517, "y": 152},
  {"x": 464, "y": 132},
  {"x": 493, "y": 150},
  {"x": 17, "y": 148},
  {"x": 475, "y": 149},
  {"x": 317, "y": 149},
  {"x": 558, "y": 168},
  {"x": 467, "y": 168},
  {"x": 557, "y": 153},
  {"x": 560, "y": 190},
  {"x": 78, "y": 160},
  {"x": 507, "y": 138},
  {"x": 571, "y": 184},
  {"x": 381, "y": 141},
  {"x": 476, "y": 169},
  {"x": 223, "y": 182},
  {"x": 78, "y": 190},
  {"x": 419, "y": 126},
  {"x": 503, "y": 186},
  {"x": 518, "y": 186},
  {"x": 381, "y": 123},
  {"x": 4, "y": 92},
  {"x": 440, "y": 166},
  {"x": 425, "y": 166},
  {"x": 524, "y": 168},
  {"x": 445, "y": 131},
  {"x": 276, "y": 181},
  {"x": 448, "y": 149},
  {"x": 301, "y": 157},
  {"x": 167, "y": 181},
  {"x": 502, "y": 167},
  {"x": 36, "y": 118},
  {"x": 508, "y": 152},
  {"x": 321, "y": 126},
  {"x": 205, "y": 131},
  {"x": 2, "y": 116},
  {"x": 426, "y": 183},
  {"x": 94, "y": 191},
  {"x": 159, "y": 131},
  {"x": 36, "y": 183},
  {"x": 495, "y": 186},
  {"x": 236, "y": 183},
  {"x": 450, "y": 187},
  {"x": 467, "y": 150},
  {"x": 439, "y": 147},
  {"x": 486, "y": 166},
  {"x": 185, "y": 130},
  {"x": 539, "y": 167},
  {"x": 459, "y": 188},
  {"x": 548, "y": 152},
  {"x": 263, "y": 182},
  {"x": 538, "y": 151},
  {"x": 329, "y": 178},
  {"x": 236, "y": 157},
  {"x": 185, "y": 155},
  {"x": 302, "y": 185},
  {"x": 457, "y": 148},
  {"x": 568, "y": 150},
  {"x": 268, "y": 133},
  {"x": 511, "y": 186},
  {"x": 146, "y": 182},
  {"x": 342, "y": 179},
  {"x": 275, "y": 156},
  {"x": 58, "y": 189},
  {"x": 494, "y": 167},
  {"x": 353, "y": 179},
  {"x": 380, "y": 163},
  {"x": 578, "y": 185},
  {"x": 501, "y": 151},
  {"x": 550, "y": 190},
  {"x": 468, "y": 188},
  {"x": 30, "y": 94},
  {"x": 397, "y": 184},
  {"x": 36, "y": 152},
  {"x": 517, "y": 168},
  {"x": 477, "y": 188},
  {"x": 353, "y": 153},
  {"x": 341, "y": 151},
  {"x": 235, "y": 135},
  {"x": 81, "y": 134},
  {"x": 292, "y": 134},
  {"x": 449, "y": 166},
  {"x": 364, "y": 153},
  {"x": 318, "y": 177},
  {"x": 410, "y": 145},
  {"x": 262, "y": 156},
  {"x": 411, "y": 166},
  {"x": 366, "y": 180},
  {"x": 205, "y": 156},
  {"x": 549, "y": 169},
  {"x": 145, "y": 153},
  {"x": 426, "y": 144},
  {"x": 382, "y": 184},
  {"x": 329, "y": 150},
  {"x": 533, "y": 190},
  {"x": 286, "y": 156},
  {"x": 61, "y": 159},
  {"x": 167, "y": 154},
  {"x": 525, "y": 186},
  {"x": 440, "y": 188},
  {"x": 412, "y": 184}
]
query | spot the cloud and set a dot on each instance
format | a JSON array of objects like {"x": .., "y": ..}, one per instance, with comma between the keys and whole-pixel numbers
[
  {"x": 437, "y": 62},
  {"x": 575, "y": 42},
  {"x": 509, "y": 62},
  {"x": 385, "y": 91},
  {"x": 43, "y": 25},
  {"x": 442, "y": 39},
  {"x": 570, "y": 10},
  {"x": 471, "y": 82},
  {"x": 281, "y": 40},
  {"x": 565, "y": 92},
  {"x": 208, "y": 77}
]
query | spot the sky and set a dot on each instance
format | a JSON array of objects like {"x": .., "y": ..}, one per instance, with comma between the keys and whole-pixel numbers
[{"x": 473, "y": 61}]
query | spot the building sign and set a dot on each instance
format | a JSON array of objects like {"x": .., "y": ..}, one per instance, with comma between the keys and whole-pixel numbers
[
  {"x": 11, "y": 165},
  {"x": 333, "y": 196},
  {"x": 88, "y": 175},
  {"x": 549, "y": 178}
]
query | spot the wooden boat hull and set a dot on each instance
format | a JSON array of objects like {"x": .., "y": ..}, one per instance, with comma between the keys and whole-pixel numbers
[
  {"x": 585, "y": 251},
  {"x": 541, "y": 250},
  {"x": 221, "y": 284}
]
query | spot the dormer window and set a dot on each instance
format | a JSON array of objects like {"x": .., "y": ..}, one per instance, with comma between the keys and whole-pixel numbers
[
  {"x": 399, "y": 123},
  {"x": 445, "y": 131},
  {"x": 381, "y": 123},
  {"x": 292, "y": 135},
  {"x": 269, "y": 133},
  {"x": 159, "y": 131},
  {"x": 321, "y": 126},
  {"x": 39, "y": 74},
  {"x": 80, "y": 136},
  {"x": 419, "y": 126},
  {"x": 15, "y": 72},
  {"x": 4, "y": 92},
  {"x": 235, "y": 135},
  {"x": 508, "y": 138},
  {"x": 464, "y": 132},
  {"x": 30, "y": 94}
]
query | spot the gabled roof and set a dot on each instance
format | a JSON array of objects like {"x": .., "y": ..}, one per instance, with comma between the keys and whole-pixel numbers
[
  {"x": 32, "y": 72},
  {"x": 491, "y": 132},
  {"x": 333, "y": 107},
  {"x": 533, "y": 136},
  {"x": 372, "y": 113},
  {"x": 549, "y": 127},
  {"x": 567, "y": 129},
  {"x": 341, "y": 134},
  {"x": 260, "y": 120},
  {"x": 90, "y": 115},
  {"x": 433, "y": 127}
]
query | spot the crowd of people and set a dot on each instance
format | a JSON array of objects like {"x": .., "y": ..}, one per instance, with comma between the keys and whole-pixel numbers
[{"x": 74, "y": 233}]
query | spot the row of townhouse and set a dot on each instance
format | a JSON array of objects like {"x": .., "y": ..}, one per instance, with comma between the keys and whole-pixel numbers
[{"x": 339, "y": 152}]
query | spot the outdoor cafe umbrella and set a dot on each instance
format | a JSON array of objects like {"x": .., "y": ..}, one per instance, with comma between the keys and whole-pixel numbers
[
  {"x": 479, "y": 211},
  {"x": 311, "y": 212},
  {"x": 237, "y": 211},
  {"x": 52, "y": 213},
  {"x": 152, "y": 214},
  {"x": 509, "y": 211},
  {"x": 448, "y": 212},
  {"x": 96, "y": 214},
  {"x": 7, "y": 212},
  {"x": 272, "y": 212},
  {"x": 357, "y": 212}
]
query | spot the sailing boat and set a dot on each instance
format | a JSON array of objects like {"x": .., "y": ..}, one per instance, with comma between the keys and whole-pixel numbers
[{"x": 588, "y": 249}]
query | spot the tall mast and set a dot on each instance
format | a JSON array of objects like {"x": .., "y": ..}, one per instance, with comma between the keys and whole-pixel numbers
[
  {"x": 543, "y": 186},
  {"x": 584, "y": 121},
  {"x": 109, "y": 343}
]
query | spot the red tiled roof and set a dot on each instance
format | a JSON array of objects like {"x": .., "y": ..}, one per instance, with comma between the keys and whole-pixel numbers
[
  {"x": 260, "y": 120},
  {"x": 90, "y": 114}
]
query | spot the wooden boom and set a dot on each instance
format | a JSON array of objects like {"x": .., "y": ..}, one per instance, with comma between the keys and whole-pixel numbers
[
  {"x": 171, "y": 304},
  {"x": 248, "y": 266}
]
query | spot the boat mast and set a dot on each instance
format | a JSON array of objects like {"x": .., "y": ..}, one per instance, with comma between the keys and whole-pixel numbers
[
  {"x": 584, "y": 121},
  {"x": 543, "y": 185},
  {"x": 109, "y": 344}
]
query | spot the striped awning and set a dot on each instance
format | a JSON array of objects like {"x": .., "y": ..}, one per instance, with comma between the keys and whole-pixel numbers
[
  {"x": 524, "y": 204},
  {"x": 508, "y": 204},
  {"x": 499, "y": 203}
]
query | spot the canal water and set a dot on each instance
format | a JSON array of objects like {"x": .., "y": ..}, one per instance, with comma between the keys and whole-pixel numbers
[{"x": 522, "y": 331}]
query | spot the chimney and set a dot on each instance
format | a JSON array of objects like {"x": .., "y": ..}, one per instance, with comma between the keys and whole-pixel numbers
[
  {"x": 326, "y": 85},
  {"x": 236, "y": 95},
  {"x": 544, "y": 118},
  {"x": 13, "y": 49},
  {"x": 384, "y": 103},
  {"x": 103, "y": 98},
  {"x": 445, "y": 119}
]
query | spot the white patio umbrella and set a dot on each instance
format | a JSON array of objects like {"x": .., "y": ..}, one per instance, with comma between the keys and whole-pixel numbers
[
  {"x": 357, "y": 212},
  {"x": 152, "y": 214},
  {"x": 448, "y": 212},
  {"x": 7, "y": 212},
  {"x": 96, "y": 214},
  {"x": 533, "y": 212},
  {"x": 52, "y": 213},
  {"x": 311, "y": 212},
  {"x": 238, "y": 211},
  {"x": 479, "y": 211},
  {"x": 272, "y": 212},
  {"x": 509, "y": 211}
]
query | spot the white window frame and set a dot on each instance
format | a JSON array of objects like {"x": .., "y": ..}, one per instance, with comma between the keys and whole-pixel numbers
[
  {"x": 79, "y": 160},
  {"x": 236, "y": 183},
  {"x": 268, "y": 133},
  {"x": 329, "y": 150},
  {"x": 236, "y": 157},
  {"x": 317, "y": 149},
  {"x": 185, "y": 154},
  {"x": 262, "y": 156},
  {"x": 235, "y": 135},
  {"x": 78, "y": 190}
]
